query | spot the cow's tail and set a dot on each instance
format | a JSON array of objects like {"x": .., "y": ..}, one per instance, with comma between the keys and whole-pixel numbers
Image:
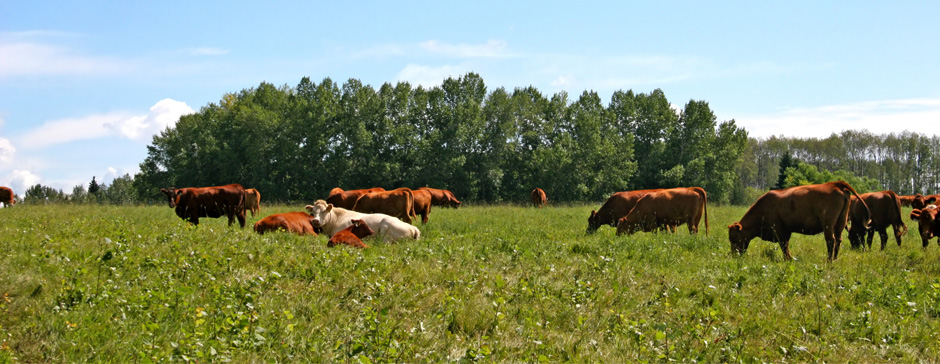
[
  {"x": 701, "y": 192},
  {"x": 411, "y": 204},
  {"x": 897, "y": 202},
  {"x": 845, "y": 187}
]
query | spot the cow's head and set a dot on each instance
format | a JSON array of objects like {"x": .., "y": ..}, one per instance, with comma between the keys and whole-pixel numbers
[
  {"x": 593, "y": 222},
  {"x": 624, "y": 226},
  {"x": 927, "y": 222},
  {"x": 360, "y": 228},
  {"x": 172, "y": 195},
  {"x": 920, "y": 201},
  {"x": 738, "y": 238},
  {"x": 319, "y": 211}
]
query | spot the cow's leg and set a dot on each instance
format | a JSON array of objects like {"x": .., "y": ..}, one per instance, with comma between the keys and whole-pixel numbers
[
  {"x": 897, "y": 234},
  {"x": 870, "y": 237},
  {"x": 883, "y": 234},
  {"x": 241, "y": 219},
  {"x": 785, "y": 248}
]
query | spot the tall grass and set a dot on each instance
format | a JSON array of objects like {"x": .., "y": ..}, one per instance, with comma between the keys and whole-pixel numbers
[{"x": 485, "y": 283}]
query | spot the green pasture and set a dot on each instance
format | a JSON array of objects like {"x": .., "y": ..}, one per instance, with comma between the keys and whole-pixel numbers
[{"x": 83, "y": 283}]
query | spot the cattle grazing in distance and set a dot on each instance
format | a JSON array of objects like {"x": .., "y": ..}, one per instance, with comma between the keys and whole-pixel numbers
[
  {"x": 538, "y": 197},
  {"x": 333, "y": 219},
  {"x": 921, "y": 201},
  {"x": 441, "y": 197},
  {"x": 7, "y": 196},
  {"x": 422, "y": 204},
  {"x": 191, "y": 203},
  {"x": 928, "y": 223},
  {"x": 352, "y": 235},
  {"x": 296, "y": 222},
  {"x": 253, "y": 201},
  {"x": 616, "y": 207},
  {"x": 810, "y": 210},
  {"x": 885, "y": 208},
  {"x": 906, "y": 200},
  {"x": 398, "y": 202},
  {"x": 347, "y": 199},
  {"x": 667, "y": 209}
]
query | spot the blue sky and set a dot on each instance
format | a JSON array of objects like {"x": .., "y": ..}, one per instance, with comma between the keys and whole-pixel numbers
[{"x": 84, "y": 85}]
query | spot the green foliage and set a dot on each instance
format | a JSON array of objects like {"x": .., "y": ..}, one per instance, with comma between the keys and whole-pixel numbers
[{"x": 804, "y": 174}]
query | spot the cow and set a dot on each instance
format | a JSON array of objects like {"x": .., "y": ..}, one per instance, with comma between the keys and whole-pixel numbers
[
  {"x": 253, "y": 201},
  {"x": 538, "y": 197},
  {"x": 885, "y": 208},
  {"x": 333, "y": 219},
  {"x": 7, "y": 196},
  {"x": 191, "y": 203},
  {"x": 422, "y": 204},
  {"x": 810, "y": 210},
  {"x": 616, "y": 207},
  {"x": 347, "y": 199},
  {"x": 295, "y": 222},
  {"x": 906, "y": 200},
  {"x": 441, "y": 197},
  {"x": 352, "y": 235},
  {"x": 928, "y": 223},
  {"x": 398, "y": 202},
  {"x": 921, "y": 201},
  {"x": 667, "y": 209}
]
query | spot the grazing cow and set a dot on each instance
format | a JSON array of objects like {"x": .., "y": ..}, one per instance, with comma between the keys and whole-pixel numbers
[
  {"x": 253, "y": 201},
  {"x": 809, "y": 210},
  {"x": 295, "y": 222},
  {"x": 885, "y": 208},
  {"x": 616, "y": 207},
  {"x": 921, "y": 201},
  {"x": 191, "y": 203},
  {"x": 441, "y": 197},
  {"x": 906, "y": 200},
  {"x": 352, "y": 235},
  {"x": 667, "y": 209},
  {"x": 928, "y": 223},
  {"x": 347, "y": 199},
  {"x": 6, "y": 196},
  {"x": 538, "y": 197},
  {"x": 422, "y": 204},
  {"x": 398, "y": 202},
  {"x": 333, "y": 219}
]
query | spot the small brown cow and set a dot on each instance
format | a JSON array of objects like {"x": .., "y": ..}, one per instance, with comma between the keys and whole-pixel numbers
[
  {"x": 538, "y": 197},
  {"x": 422, "y": 204},
  {"x": 352, "y": 235},
  {"x": 6, "y": 196},
  {"x": 253, "y": 201},
  {"x": 347, "y": 199},
  {"x": 928, "y": 223},
  {"x": 441, "y": 197},
  {"x": 667, "y": 209},
  {"x": 616, "y": 207},
  {"x": 191, "y": 203},
  {"x": 885, "y": 208},
  {"x": 299, "y": 223},
  {"x": 809, "y": 210}
]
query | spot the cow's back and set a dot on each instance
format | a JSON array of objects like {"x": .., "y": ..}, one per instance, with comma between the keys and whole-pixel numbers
[{"x": 398, "y": 202}]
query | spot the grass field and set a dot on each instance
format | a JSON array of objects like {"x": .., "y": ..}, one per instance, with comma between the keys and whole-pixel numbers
[{"x": 485, "y": 283}]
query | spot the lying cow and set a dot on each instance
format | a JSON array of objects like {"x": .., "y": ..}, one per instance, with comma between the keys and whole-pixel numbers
[
  {"x": 441, "y": 197},
  {"x": 333, "y": 219},
  {"x": 538, "y": 197},
  {"x": 810, "y": 210},
  {"x": 296, "y": 222},
  {"x": 352, "y": 235},
  {"x": 422, "y": 204},
  {"x": 347, "y": 199},
  {"x": 191, "y": 203},
  {"x": 398, "y": 202},
  {"x": 928, "y": 223},
  {"x": 667, "y": 209},
  {"x": 7, "y": 196},
  {"x": 253, "y": 201},
  {"x": 616, "y": 207},
  {"x": 885, "y": 208}
]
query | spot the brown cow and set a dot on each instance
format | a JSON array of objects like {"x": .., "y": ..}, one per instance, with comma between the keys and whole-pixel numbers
[
  {"x": 299, "y": 223},
  {"x": 928, "y": 223},
  {"x": 398, "y": 203},
  {"x": 538, "y": 197},
  {"x": 347, "y": 199},
  {"x": 253, "y": 201},
  {"x": 885, "y": 208},
  {"x": 6, "y": 196},
  {"x": 667, "y": 209},
  {"x": 616, "y": 207},
  {"x": 441, "y": 197},
  {"x": 906, "y": 200},
  {"x": 352, "y": 235},
  {"x": 810, "y": 210},
  {"x": 921, "y": 201},
  {"x": 422, "y": 204},
  {"x": 191, "y": 203}
]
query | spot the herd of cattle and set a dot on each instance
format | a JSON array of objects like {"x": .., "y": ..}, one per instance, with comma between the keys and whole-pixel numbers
[{"x": 348, "y": 216}]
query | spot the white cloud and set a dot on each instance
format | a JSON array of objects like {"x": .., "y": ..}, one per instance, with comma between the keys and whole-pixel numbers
[
  {"x": 880, "y": 117},
  {"x": 28, "y": 58},
  {"x": 562, "y": 81},
  {"x": 7, "y": 152},
  {"x": 492, "y": 48},
  {"x": 19, "y": 180},
  {"x": 141, "y": 128},
  {"x": 428, "y": 76}
]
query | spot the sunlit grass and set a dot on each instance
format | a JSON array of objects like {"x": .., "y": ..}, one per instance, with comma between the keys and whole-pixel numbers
[{"x": 492, "y": 283}]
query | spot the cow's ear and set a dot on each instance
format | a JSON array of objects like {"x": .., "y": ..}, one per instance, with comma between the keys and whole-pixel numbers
[
  {"x": 309, "y": 208},
  {"x": 329, "y": 207},
  {"x": 735, "y": 226},
  {"x": 593, "y": 213},
  {"x": 931, "y": 200},
  {"x": 915, "y": 214},
  {"x": 163, "y": 190},
  {"x": 179, "y": 192}
]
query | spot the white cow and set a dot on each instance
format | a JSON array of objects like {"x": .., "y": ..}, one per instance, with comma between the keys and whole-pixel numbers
[{"x": 333, "y": 219}]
